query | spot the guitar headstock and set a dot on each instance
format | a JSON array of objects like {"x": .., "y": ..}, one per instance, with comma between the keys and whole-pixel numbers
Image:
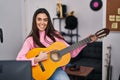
[{"x": 102, "y": 33}]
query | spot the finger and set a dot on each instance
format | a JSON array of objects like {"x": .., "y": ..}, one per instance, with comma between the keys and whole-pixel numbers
[
  {"x": 45, "y": 51},
  {"x": 41, "y": 51},
  {"x": 48, "y": 51}
]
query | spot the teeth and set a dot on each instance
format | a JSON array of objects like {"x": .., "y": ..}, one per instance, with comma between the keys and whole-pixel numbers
[{"x": 41, "y": 26}]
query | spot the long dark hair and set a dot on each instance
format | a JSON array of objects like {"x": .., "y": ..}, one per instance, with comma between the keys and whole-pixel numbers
[{"x": 49, "y": 31}]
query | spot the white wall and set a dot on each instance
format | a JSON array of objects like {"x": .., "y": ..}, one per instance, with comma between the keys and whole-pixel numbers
[
  {"x": 11, "y": 24},
  {"x": 112, "y": 39}
]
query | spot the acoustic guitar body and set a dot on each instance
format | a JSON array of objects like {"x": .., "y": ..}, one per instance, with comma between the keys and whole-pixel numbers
[{"x": 49, "y": 65}]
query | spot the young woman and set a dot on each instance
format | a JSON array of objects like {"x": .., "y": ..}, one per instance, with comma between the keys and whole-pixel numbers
[{"x": 42, "y": 35}]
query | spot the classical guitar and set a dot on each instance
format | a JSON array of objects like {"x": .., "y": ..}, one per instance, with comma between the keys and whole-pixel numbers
[{"x": 58, "y": 56}]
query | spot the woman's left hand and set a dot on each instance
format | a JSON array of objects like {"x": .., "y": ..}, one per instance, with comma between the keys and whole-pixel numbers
[{"x": 93, "y": 38}]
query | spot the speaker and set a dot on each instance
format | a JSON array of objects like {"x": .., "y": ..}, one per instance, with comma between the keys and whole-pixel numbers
[{"x": 96, "y": 5}]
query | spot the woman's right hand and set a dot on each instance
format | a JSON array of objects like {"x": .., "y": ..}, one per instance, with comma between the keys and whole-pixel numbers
[{"x": 42, "y": 56}]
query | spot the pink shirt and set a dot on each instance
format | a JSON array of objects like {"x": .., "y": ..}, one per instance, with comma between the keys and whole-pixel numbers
[{"x": 28, "y": 45}]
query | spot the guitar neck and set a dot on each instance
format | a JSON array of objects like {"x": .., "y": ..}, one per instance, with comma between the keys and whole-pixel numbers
[{"x": 74, "y": 46}]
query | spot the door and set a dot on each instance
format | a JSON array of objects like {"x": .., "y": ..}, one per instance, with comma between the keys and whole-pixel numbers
[{"x": 11, "y": 26}]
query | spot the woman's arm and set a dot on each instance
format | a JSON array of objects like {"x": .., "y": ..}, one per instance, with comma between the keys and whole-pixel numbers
[{"x": 27, "y": 46}]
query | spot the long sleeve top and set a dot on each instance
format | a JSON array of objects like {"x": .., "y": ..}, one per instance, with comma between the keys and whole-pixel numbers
[{"x": 29, "y": 44}]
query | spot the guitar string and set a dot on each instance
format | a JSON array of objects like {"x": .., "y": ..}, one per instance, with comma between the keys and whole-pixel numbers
[{"x": 72, "y": 47}]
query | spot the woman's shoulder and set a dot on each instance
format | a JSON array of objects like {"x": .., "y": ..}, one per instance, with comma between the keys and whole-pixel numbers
[
  {"x": 57, "y": 32},
  {"x": 29, "y": 39},
  {"x": 29, "y": 42}
]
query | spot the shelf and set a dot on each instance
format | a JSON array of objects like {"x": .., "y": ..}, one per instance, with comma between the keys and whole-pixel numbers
[{"x": 69, "y": 34}]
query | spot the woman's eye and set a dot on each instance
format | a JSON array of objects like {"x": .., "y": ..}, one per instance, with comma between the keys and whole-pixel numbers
[
  {"x": 39, "y": 19},
  {"x": 45, "y": 19}
]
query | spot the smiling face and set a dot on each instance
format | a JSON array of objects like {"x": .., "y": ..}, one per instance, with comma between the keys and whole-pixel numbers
[{"x": 41, "y": 21}]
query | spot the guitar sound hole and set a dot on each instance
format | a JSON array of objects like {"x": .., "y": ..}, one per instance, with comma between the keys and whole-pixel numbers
[{"x": 55, "y": 56}]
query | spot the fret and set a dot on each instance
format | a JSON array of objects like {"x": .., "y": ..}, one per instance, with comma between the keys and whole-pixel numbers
[{"x": 74, "y": 46}]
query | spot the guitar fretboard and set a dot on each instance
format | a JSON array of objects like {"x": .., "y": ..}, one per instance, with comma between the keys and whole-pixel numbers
[{"x": 74, "y": 46}]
